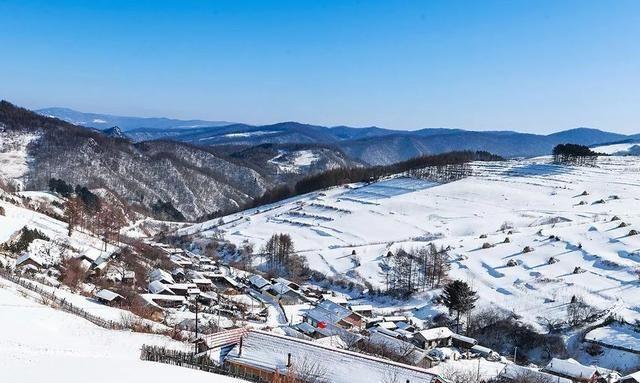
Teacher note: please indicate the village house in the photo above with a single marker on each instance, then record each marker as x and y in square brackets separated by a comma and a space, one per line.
[266, 355]
[30, 261]
[463, 342]
[402, 351]
[203, 284]
[327, 313]
[572, 370]
[285, 294]
[165, 301]
[362, 310]
[157, 287]
[161, 275]
[515, 373]
[108, 297]
[257, 282]
[223, 282]
[433, 337]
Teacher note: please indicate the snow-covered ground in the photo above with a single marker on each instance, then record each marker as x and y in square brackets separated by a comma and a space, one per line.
[532, 198]
[38, 344]
[294, 162]
[14, 160]
[623, 148]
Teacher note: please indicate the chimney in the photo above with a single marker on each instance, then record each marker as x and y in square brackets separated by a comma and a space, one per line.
[289, 360]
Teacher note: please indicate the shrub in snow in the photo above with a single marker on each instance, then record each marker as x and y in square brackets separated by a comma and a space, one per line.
[633, 232]
[598, 202]
[615, 218]
[506, 240]
[506, 226]
[552, 260]
[2, 212]
[527, 249]
[578, 270]
[353, 252]
[623, 224]
[512, 262]
[582, 203]
[594, 349]
[483, 236]
[585, 193]
[487, 245]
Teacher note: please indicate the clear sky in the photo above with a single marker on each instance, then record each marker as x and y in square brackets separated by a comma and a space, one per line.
[536, 66]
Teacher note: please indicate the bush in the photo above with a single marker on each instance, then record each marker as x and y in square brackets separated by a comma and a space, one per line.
[527, 249]
[487, 245]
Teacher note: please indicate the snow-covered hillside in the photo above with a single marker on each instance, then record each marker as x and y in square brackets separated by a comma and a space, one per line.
[39, 343]
[533, 199]
[14, 160]
[626, 148]
[17, 217]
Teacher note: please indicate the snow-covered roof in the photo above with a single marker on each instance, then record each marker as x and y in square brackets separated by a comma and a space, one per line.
[631, 377]
[514, 372]
[436, 333]
[270, 352]
[357, 308]
[339, 299]
[464, 339]
[160, 275]
[28, 256]
[329, 312]
[398, 346]
[157, 287]
[569, 368]
[281, 288]
[162, 297]
[108, 295]
[201, 281]
[258, 281]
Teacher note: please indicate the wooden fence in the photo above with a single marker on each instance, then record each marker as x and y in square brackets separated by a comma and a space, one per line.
[63, 304]
[201, 362]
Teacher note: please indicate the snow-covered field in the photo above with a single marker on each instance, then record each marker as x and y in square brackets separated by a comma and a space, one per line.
[294, 162]
[533, 198]
[39, 343]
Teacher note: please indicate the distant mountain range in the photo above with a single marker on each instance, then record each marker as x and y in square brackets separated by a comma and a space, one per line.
[197, 181]
[104, 121]
[370, 145]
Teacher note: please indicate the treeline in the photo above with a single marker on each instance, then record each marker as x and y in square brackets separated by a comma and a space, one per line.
[574, 154]
[341, 176]
[89, 200]
[407, 272]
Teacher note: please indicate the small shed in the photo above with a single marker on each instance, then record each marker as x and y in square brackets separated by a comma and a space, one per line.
[463, 342]
[108, 297]
[28, 259]
[433, 337]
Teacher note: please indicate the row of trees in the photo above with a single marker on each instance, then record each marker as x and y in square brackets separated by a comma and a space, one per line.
[574, 154]
[407, 272]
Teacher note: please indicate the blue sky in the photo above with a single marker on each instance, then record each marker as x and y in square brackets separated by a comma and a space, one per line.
[536, 66]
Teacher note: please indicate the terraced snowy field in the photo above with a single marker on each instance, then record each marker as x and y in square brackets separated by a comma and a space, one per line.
[534, 198]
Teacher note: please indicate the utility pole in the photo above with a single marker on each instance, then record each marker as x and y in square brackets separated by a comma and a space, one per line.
[515, 354]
